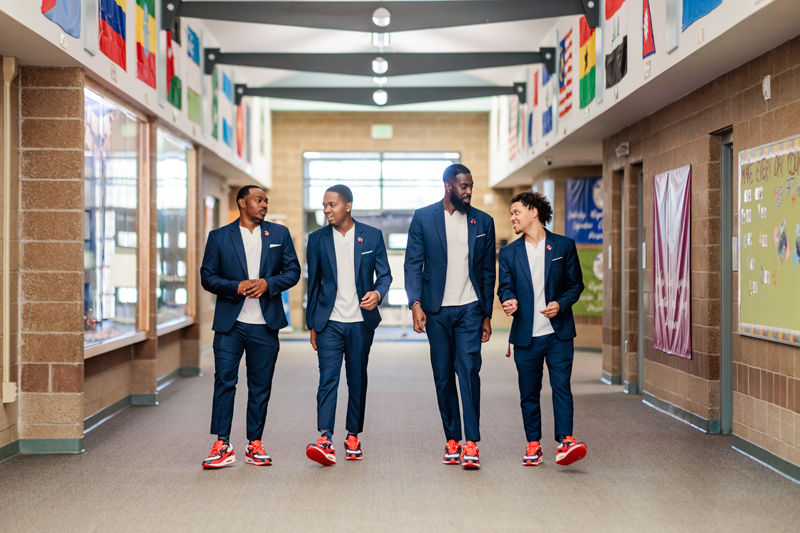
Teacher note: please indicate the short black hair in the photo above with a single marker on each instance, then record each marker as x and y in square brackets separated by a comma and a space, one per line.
[244, 192]
[537, 200]
[454, 170]
[343, 191]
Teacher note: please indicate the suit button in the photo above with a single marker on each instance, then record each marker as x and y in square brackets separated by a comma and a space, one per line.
[445, 264]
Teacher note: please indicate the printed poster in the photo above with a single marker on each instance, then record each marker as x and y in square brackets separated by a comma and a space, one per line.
[583, 209]
[769, 242]
[671, 248]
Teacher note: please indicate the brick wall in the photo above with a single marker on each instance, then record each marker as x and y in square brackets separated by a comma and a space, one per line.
[766, 385]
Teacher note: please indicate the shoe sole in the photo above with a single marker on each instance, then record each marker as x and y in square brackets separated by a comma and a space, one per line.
[251, 461]
[471, 465]
[532, 463]
[574, 454]
[318, 456]
[225, 462]
[451, 461]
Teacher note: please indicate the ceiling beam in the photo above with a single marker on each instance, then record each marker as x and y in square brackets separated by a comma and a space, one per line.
[399, 64]
[357, 16]
[364, 95]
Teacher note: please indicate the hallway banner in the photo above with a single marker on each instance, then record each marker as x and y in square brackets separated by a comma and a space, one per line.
[146, 35]
[586, 60]
[769, 242]
[584, 210]
[112, 31]
[65, 13]
[591, 299]
[672, 245]
[615, 37]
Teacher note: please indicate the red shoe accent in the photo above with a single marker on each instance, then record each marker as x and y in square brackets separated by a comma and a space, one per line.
[570, 451]
[256, 455]
[352, 449]
[533, 454]
[221, 455]
[322, 452]
[452, 453]
[471, 458]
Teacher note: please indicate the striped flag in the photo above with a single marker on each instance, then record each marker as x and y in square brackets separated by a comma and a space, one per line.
[65, 13]
[226, 110]
[587, 63]
[174, 84]
[146, 35]
[565, 77]
[112, 31]
[615, 37]
[513, 123]
[215, 104]
[194, 77]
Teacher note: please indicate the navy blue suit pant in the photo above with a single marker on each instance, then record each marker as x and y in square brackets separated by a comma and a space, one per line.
[261, 345]
[530, 361]
[454, 334]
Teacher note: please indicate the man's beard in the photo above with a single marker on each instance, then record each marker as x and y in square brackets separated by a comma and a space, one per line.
[460, 205]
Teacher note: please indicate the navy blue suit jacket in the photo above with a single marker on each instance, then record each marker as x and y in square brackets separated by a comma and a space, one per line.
[426, 258]
[371, 265]
[225, 266]
[563, 283]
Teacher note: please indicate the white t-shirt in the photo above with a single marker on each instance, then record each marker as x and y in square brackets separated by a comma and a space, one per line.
[458, 289]
[251, 310]
[346, 308]
[541, 324]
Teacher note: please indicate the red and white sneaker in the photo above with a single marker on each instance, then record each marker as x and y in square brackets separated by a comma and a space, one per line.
[352, 449]
[471, 457]
[256, 455]
[452, 453]
[221, 455]
[533, 454]
[322, 452]
[570, 451]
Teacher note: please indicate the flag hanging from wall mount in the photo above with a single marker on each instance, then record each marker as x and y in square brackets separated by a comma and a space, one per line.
[565, 77]
[226, 110]
[112, 31]
[194, 77]
[615, 41]
[174, 84]
[215, 103]
[65, 13]
[513, 124]
[587, 62]
[240, 133]
[146, 35]
[547, 102]
[648, 42]
[694, 10]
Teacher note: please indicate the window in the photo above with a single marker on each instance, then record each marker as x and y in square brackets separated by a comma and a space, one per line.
[172, 180]
[112, 161]
[388, 181]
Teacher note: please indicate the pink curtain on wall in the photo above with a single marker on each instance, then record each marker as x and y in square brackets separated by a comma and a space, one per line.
[671, 289]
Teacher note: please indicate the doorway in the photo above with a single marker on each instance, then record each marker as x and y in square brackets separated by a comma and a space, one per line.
[728, 247]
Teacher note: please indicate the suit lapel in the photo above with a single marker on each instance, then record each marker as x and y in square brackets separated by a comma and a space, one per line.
[266, 240]
[472, 230]
[238, 245]
[438, 220]
[524, 264]
[327, 240]
[358, 245]
[549, 250]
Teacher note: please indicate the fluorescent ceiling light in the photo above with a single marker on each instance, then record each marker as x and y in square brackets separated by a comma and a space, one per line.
[380, 97]
[380, 65]
[381, 17]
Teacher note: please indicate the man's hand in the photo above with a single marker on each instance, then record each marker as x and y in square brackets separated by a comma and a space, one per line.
[370, 300]
[510, 307]
[551, 310]
[314, 340]
[486, 328]
[245, 285]
[419, 318]
[256, 289]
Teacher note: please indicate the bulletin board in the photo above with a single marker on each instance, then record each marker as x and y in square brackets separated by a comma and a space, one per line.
[769, 241]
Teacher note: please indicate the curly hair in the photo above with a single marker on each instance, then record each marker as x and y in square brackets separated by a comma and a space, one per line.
[537, 200]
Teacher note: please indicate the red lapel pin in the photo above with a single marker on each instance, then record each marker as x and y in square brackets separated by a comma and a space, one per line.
[359, 239]
[472, 221]
[266, 234]
[549, 247]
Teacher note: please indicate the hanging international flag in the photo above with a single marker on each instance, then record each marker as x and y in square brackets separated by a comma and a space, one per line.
[112, 31]
[226, 110]
[521, 137]
[248, 132]
[547, 121]
[586, 60]
[565, 76]
[194, 77]
[146, 35]
[694, 10]
[214, 104]
[65, 13]
[174, 87]
[545, 76]
[547, 103]
[240, 133]
[513, 125]
[615, 37]
[648, 42]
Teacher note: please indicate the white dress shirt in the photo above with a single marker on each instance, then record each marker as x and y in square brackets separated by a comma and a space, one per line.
[541, 324]
[458, 289]
[251, 310]
[347, 307]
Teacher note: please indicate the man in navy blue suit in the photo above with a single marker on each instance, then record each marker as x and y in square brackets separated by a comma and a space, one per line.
[540, 281]
[247, 264]
[449, 277]
[348, 278]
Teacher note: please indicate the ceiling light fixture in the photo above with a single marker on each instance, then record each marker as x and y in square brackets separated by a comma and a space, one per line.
[380, 97]
[380, 65]
[380, 82]
[380, 40]
[381, 17]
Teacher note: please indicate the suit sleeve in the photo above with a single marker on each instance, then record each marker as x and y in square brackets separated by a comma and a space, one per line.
[209, 271]
[290, 269]
[505, 289]
[415, 261]
[383, 272]
[489, 267]
[574, 279]
[312, 257]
